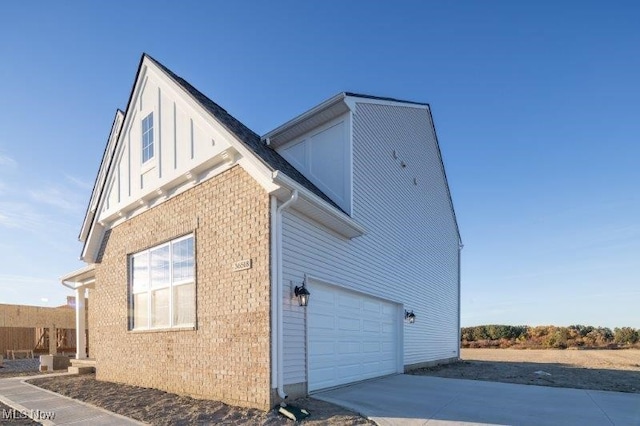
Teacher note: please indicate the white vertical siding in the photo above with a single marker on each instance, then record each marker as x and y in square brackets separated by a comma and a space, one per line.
[323, 156]
[182, 140]
[409, 254]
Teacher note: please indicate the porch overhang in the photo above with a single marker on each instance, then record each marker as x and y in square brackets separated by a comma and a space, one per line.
[81, 278]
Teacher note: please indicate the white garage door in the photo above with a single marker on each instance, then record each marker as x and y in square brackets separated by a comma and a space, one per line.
[351, 337]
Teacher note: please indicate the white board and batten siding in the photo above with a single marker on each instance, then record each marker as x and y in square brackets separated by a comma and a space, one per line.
[182, 140]
[324, 157]
[409, 253]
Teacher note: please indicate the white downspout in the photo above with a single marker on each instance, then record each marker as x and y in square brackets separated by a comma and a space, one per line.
[276, 287]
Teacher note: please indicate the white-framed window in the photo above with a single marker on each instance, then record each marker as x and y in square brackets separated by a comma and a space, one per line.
[147, 138]
[162, 286]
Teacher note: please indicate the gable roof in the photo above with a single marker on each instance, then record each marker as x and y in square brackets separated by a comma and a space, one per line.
[101, 177]
[268, 156]
[282, 171]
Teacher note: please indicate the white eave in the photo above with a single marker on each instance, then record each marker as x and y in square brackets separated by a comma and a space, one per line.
[326, 111]
[318, 209]
[116, 127]
[80, 278]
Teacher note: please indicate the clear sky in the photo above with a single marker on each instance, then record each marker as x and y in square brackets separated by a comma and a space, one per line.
[536, 105]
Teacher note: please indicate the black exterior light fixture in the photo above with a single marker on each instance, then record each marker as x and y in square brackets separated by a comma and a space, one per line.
[409, 316]
[302, 293]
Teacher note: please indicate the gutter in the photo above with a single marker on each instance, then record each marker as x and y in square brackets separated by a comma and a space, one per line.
[277, 322]
[302, 117]
[351, 228]
[68, 285]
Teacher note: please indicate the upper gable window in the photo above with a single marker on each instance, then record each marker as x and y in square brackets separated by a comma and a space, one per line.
[147, 138]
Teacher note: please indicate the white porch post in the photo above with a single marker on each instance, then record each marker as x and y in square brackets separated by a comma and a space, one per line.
[81, 339]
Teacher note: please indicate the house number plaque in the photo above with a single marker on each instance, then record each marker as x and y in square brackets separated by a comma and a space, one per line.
[241, 265]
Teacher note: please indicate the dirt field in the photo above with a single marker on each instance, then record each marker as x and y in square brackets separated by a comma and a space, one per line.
[612, 370]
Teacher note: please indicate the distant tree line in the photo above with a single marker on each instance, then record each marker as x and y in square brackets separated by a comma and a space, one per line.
[548, 336]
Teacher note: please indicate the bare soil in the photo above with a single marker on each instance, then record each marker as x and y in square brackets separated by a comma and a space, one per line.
[610, 370]
[162, 408]
[19, 367]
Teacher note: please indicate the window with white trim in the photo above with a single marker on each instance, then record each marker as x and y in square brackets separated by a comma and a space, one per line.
[162, 286]
[147, 138]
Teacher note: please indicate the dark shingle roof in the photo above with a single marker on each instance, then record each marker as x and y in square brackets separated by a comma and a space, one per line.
[251, 140]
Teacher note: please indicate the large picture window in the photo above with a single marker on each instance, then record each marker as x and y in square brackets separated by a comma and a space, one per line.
[162, 286]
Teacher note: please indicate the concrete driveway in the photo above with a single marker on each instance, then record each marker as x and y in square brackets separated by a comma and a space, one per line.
[418, 400]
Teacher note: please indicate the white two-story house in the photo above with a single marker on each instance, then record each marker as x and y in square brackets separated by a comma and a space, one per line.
[204, 241]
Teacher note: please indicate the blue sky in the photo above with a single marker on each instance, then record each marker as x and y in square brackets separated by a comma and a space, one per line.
[535, 104]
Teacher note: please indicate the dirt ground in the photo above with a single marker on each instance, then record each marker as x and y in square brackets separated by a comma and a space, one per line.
[611, 370]
[162, 408]
[19, 367]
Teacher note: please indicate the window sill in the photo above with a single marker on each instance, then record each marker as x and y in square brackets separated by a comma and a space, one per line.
[162, 330]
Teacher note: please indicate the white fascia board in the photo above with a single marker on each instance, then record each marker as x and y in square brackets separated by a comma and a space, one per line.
[80, 277]
[92, 243]
[351, 100]
[273, 134]
[323, 212]
[101, 177]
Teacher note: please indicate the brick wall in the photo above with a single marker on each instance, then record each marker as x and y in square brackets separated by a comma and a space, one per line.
[227, 357]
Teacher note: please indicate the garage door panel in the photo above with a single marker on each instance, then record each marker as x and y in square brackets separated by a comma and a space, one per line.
[371, 347]
[322, 320]
[371, 367]
[348, 301]
[370, 306]
[345, 348]
[349, 373]
[352, 337]
[323, 298]
[388, 347]
[388, 328]
[322, 348]
[323, 376]
[371, 325]
[348, 324]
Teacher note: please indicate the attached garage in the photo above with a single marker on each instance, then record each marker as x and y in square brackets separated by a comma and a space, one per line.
[352, 336]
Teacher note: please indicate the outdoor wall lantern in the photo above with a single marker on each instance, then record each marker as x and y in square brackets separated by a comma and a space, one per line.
[302, 293]
[409, 316]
